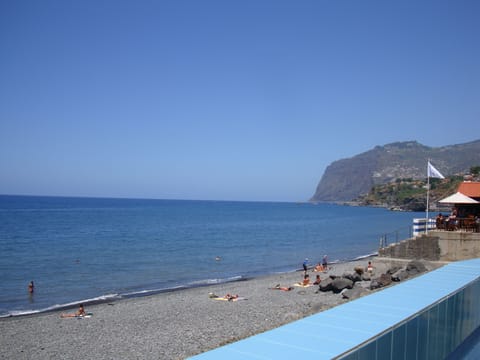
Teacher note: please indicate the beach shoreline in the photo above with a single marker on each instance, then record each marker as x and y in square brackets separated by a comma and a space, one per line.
[171, 325]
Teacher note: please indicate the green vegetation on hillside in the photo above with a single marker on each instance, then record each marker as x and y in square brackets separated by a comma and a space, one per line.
[410, 194]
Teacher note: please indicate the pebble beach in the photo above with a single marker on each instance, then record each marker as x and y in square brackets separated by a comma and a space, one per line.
[172, 325]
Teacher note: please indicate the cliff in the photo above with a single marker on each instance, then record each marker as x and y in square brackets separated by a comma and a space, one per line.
[347, 179]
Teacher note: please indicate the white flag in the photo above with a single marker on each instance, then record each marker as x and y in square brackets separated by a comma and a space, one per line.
[434, 173]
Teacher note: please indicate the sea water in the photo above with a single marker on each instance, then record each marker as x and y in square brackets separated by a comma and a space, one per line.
[90, 249]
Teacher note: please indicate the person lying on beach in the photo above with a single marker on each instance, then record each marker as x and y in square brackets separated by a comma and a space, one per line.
[79, 312]
[226, 297]
[284, 288]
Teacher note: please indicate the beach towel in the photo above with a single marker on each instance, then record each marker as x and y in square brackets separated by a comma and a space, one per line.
[301, 285]
[232, 299]
[225, 298]
[87, 315]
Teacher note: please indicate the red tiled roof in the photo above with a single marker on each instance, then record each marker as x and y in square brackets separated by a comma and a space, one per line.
[470, 188]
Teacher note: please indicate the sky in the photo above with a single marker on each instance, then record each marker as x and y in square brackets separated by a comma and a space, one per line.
[225, 100]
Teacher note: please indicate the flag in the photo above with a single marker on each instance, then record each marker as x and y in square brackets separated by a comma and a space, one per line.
[434, 173]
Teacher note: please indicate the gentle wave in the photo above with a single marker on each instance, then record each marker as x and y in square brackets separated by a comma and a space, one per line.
[129, 248]
[148, 292]
[361, 257]
[216, 281]
[113, 297]
[56, 307]
[366, 256]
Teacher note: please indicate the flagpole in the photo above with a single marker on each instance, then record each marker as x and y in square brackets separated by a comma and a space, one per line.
[428, 197]
[431, 172]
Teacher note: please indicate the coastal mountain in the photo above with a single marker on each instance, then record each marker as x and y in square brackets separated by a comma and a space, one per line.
[346, 179]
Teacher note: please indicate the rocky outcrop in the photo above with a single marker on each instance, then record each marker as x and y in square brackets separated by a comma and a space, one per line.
[359, 283]
[381, 281]
[341, 283]
[354, 293]
[413, 268]
[347, 179]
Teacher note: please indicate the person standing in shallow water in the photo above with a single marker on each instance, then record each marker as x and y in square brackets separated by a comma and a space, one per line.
[31, 288]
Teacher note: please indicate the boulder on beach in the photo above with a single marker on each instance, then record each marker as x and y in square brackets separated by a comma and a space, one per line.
[339, 284]
[353, 293]
[326, 285]
[359, 270]
[366, 276]
[415, 267]
[400, 275]
[382, 281]
[393, 269]
[355, 276]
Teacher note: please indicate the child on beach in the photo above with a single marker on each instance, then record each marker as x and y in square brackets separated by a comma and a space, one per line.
[317, 280]
[305, 266]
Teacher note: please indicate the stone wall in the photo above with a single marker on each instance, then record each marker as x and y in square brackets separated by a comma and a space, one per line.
[436, 246]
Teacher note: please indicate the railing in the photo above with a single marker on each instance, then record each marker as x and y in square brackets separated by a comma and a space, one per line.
[396, 236]
[459, 223]
[418, 228]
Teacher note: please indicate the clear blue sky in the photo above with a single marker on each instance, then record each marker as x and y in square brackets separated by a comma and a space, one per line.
[225, 100]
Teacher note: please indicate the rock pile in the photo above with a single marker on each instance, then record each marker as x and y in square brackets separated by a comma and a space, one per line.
[359, 282]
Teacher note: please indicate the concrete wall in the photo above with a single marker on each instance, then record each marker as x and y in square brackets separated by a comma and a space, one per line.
[437, 245]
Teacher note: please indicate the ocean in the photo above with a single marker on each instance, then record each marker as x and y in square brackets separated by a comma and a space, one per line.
[86, 250]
